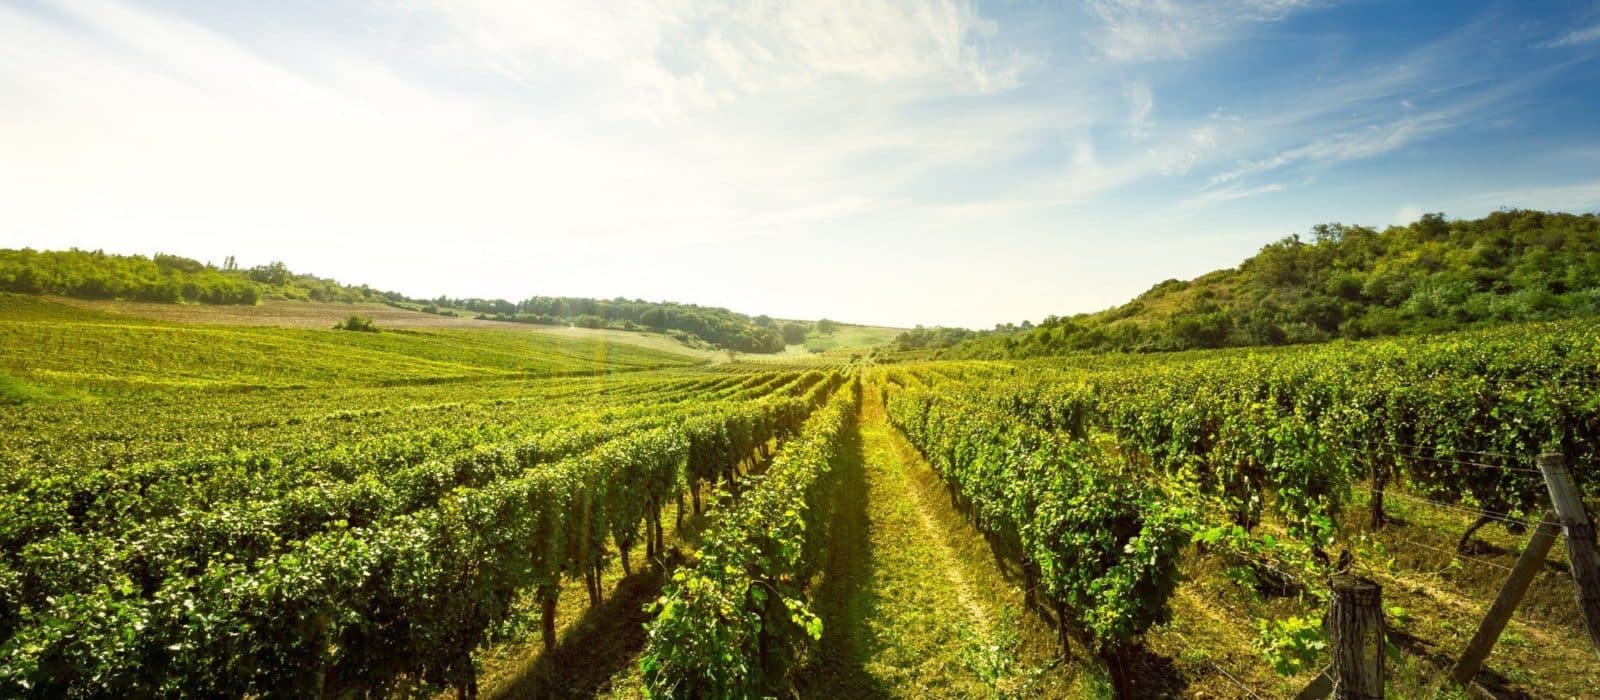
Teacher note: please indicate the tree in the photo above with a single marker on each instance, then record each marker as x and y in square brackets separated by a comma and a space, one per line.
[794, 333]
[275, 273]
[827, 326]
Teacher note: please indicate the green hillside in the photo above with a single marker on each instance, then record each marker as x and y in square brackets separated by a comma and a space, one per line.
[1433, 275]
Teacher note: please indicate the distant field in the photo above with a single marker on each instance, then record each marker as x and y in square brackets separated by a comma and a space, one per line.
[280, 313]
[853, 337]
[49, 343]
[847, 339]
[322, 315]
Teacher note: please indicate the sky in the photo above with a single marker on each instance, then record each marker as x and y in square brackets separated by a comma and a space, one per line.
[896, 163]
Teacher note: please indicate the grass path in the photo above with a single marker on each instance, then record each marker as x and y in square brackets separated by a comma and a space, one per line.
[912, 604]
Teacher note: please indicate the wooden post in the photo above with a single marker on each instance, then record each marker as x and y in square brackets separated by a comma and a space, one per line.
[1580, 540]
[547, 597]
[1511, 592]
[1356, 634]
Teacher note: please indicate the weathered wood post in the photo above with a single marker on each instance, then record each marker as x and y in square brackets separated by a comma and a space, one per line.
[1356, 635]
[1580, 540]
[548, 593]
[1380, 480]
[1511, 592]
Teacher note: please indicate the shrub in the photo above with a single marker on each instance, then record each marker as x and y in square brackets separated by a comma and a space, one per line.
[356, 322]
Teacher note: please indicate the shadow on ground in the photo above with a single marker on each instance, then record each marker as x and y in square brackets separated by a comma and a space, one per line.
[604, 640]
[844, 599]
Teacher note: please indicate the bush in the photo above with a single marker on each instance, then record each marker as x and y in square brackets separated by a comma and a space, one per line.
[356, 323]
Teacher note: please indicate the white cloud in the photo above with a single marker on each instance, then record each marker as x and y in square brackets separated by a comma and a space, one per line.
[1573, 38]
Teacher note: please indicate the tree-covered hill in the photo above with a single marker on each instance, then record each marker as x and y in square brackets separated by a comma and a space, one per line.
[165, 278]
[173, 279]
[1433, 275]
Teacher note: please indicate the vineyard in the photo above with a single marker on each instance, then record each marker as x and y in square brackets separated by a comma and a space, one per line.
[208, 510]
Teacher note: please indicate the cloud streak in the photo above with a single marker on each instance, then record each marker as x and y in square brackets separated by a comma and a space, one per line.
[1151, 30]
[1574, 38]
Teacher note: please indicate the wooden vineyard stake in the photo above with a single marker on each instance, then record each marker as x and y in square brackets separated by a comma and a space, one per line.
[1356, 635]
[1580, 540]
[1511, 592]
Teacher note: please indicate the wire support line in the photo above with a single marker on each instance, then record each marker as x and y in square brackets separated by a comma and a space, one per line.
[1492, 515]
[1457, 555]
[1462, 450]
[1480, 465]
[1231, 678]
[1443, 460]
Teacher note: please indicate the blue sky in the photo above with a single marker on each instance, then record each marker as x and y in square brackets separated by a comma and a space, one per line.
[934, 162]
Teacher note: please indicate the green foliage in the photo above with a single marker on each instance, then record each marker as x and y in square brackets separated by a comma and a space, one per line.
[726, 625]
[794, 333]
[97, 275]
[1293, 644]
[1102, 542]
[14, 391]
[356, 322]
[1093, 472]
[935, 338]
[357, 554]
[166, 279]
[1346, 282]
[996, 663]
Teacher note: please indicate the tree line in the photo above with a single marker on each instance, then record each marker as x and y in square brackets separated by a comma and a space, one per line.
[164, 278]
[689, 322]
[167, 278]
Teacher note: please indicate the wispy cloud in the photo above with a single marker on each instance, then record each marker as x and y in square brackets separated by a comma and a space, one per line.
[1145, 30]
[1365, 143]
[1141, 101]
[1228, 194]
[1422, 95]
[1573, 38]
